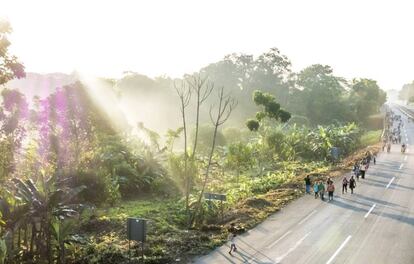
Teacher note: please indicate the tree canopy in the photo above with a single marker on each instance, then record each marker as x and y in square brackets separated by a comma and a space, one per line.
[10, 67]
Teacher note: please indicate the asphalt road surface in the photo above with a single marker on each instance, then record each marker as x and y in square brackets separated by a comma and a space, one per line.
[373, 225]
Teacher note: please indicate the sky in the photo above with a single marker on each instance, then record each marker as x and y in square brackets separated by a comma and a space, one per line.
[358, 38]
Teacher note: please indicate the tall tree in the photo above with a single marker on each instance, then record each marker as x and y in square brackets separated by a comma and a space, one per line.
[13, 117]
[320, 95]
[184, 94]
[224, 108]
[407, 91]
[241, 74]
[366, 98]
[10, 67]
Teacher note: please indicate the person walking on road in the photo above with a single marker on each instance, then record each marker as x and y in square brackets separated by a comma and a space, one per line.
[352, 184]
[356, 169]
[231, 238]
[233, 247]
[374, 157]
[368, 157]
[321, 189]
[316, 189]
[344, 185]
[362, 169]
[308, 184]
[330, 189]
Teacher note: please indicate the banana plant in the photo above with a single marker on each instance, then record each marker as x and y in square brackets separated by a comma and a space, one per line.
[36, 208]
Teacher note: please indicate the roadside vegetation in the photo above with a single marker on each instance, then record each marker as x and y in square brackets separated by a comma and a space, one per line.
[71, 172]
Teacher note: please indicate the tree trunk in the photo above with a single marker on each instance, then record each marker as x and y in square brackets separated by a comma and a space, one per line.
[33, 234]
[198, 206]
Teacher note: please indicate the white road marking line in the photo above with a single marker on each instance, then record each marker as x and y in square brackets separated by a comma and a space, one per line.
[307, 217]
[401, 166]
[370, 210]
[280, 238]
[405, 158]
[279, 259]
[393, 178]
[339, 250]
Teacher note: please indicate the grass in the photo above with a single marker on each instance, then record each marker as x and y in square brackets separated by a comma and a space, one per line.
[251, 201]
[371, 138]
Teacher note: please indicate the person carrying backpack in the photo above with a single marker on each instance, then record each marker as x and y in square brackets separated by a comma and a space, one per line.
[316, 189]
[344, 185]
[321, 189]
[330, 189]
[352, 184]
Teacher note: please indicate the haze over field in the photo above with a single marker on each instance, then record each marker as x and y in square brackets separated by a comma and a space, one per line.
[367, 39]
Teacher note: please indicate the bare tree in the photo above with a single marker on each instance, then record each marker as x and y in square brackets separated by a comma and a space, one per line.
[226, 105]
[184, 94]
[202, 89]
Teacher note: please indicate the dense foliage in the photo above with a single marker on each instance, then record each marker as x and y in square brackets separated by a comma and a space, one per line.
[63, 155]
[10, 67]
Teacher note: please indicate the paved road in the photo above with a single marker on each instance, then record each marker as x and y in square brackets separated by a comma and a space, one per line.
[373, 225]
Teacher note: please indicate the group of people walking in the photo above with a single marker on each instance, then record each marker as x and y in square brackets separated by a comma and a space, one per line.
[359, 170]
[392, 133]
[360, 167]
[319, 188]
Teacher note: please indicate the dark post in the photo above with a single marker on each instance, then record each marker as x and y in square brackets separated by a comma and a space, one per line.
[222, 214]
[137, 231]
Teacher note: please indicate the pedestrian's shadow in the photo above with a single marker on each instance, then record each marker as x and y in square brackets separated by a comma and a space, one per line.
[397, 217]
[256, 253]
[385, 173]
[377, 201]
[378, 183]
[340, 203]
[229, 258]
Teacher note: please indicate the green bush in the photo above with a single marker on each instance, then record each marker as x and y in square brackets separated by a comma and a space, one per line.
[99, 187]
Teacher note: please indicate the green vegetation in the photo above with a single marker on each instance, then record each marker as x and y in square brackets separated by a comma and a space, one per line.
[371, 138]
[407, 92]
[71, 171]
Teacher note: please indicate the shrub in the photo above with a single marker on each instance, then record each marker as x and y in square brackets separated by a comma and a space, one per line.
[99, 187]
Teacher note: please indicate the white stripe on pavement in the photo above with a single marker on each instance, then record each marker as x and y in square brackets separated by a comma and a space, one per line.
[279, 259]
[307, 217]
[405, 158]
[339, 250]
[401, 166]
[393, 178]
[370, 210]
[282, 237]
